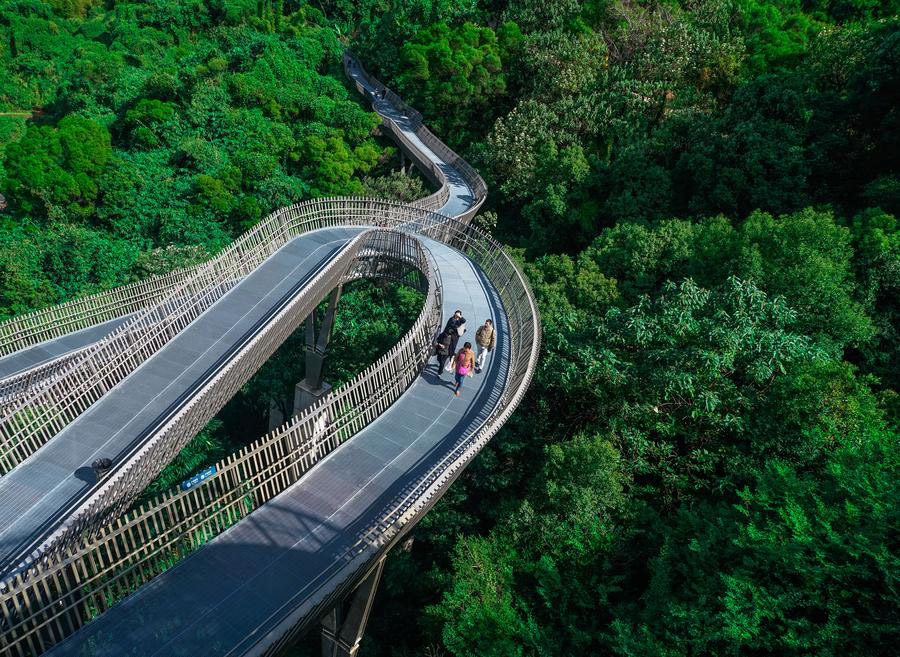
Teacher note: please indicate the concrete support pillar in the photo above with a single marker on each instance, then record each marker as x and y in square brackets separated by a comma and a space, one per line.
[312, 387]
[317, 348]
[276, 417]
[343, 627]
[304, 396]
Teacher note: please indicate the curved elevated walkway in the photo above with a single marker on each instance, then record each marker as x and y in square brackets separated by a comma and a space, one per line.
[43, 490]
[279, 563]
[279, 569]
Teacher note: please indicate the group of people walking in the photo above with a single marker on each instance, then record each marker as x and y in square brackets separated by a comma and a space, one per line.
[464, 362]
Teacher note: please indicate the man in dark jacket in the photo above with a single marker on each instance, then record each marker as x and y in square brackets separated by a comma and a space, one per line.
[456, 324]
[442, 348]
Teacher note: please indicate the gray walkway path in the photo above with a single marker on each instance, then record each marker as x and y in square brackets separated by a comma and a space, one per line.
[39, 354]
[461, 197]
[225, 597]
[38, 492]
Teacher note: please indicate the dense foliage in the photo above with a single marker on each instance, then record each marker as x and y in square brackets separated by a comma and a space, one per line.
[179, 123]
[704, 195]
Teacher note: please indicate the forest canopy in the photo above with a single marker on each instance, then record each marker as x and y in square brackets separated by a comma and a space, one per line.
[704, 195]
[161, 124]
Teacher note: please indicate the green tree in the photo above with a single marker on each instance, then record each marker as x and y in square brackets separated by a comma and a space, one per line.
[778, 35]
[751, 157]
[23, 285]
[396, 186]
[534, 15]
[806, 257]
[532, 585]
[802, 564]
[457, 67]
[145, 116]
[876, 263]
[53, 171]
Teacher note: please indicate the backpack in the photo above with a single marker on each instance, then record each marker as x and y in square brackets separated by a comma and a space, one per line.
[442, 346]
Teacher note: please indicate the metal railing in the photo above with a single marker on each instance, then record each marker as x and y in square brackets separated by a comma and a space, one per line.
[39, 325]
[17, 386]
[364, 83]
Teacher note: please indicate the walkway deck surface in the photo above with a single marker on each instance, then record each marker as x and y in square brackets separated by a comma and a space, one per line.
[36, 492]
[222, 599]
[36, 355]
[461, 197]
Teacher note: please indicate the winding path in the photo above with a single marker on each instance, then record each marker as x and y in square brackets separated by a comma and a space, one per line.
[272, 574]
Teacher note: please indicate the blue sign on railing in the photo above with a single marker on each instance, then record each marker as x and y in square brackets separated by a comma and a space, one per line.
[198, 479]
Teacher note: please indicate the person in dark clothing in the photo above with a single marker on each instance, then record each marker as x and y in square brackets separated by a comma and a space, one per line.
[443, 348]
[457, 326]
[101, 466]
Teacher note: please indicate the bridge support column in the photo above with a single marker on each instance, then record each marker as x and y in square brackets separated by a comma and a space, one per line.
[312, 387]
[343, 627]
[304, 396]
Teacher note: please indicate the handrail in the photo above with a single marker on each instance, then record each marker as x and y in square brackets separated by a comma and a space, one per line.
[472, 178]
[17, 385]
[34, 327]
